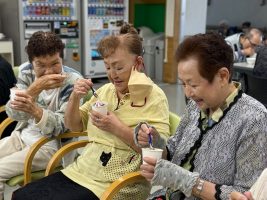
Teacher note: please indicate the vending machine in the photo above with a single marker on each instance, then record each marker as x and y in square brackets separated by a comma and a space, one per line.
[59, 16]
[100, 18]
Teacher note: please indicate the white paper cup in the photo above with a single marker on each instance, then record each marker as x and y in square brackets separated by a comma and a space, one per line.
[153, 153]
[101, 109]
[13, 92]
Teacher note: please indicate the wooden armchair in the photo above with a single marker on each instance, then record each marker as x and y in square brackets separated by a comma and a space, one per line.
[114, 187]
[120, 183]
[28, 175]
[33, 150]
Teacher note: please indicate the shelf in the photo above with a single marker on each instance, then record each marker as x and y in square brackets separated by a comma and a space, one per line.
[49, 18]
[106, 17]
[64, 4]
[106, 5]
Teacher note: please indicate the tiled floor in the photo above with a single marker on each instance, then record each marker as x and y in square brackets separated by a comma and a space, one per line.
[8, 192]
[175, 97]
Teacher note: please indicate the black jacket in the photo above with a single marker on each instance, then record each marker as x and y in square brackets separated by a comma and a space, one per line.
[260, 68]
[7, 80]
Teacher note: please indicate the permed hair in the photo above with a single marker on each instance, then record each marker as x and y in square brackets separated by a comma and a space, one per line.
[42, 44]
[128, 39]
[210, 50]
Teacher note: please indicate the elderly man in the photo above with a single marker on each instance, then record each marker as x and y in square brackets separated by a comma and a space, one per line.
[241, 46]
[255, 37]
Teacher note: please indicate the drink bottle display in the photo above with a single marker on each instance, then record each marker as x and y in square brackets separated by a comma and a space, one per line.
[47, 9]
[101, 18]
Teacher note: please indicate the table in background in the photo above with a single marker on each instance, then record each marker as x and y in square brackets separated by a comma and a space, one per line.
[243, 67]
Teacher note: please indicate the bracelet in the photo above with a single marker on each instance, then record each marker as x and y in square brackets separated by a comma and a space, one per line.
[199, 187]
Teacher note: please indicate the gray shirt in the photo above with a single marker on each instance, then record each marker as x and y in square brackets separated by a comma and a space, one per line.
[232, 153]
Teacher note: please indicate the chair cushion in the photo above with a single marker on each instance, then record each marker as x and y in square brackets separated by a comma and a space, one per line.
[18, 180]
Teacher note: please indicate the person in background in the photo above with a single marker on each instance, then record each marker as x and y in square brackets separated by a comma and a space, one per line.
[132, 97]
[255, 37]
[245, 27]
[38, 107]
[240, 45]
[220, 144]
[7, 80]
[223, 28]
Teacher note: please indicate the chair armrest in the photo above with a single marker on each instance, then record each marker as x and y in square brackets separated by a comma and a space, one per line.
[61, 152]
[5, 124]
[123, 181]
[36, 146]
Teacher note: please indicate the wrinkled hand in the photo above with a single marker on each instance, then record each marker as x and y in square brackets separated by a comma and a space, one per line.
[148, 169]
[24, 102]
[169, 175]
[81, 87]
[46, 82]
[239, 196]
[109, 122]
[248, 51]
[141, 136]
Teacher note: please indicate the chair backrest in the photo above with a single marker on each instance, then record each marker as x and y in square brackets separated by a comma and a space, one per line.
[174, 122]
[88, 96]
[16, 71]
[256, 87]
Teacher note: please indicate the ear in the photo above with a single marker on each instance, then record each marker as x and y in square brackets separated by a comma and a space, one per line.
[224, 75]
[139, 63]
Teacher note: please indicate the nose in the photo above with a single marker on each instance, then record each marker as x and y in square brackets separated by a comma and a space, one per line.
[49, 70]
[113, 74]
[188, 91]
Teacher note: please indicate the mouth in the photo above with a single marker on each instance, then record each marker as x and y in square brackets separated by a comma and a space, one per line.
[198, 101]
[117, 83]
